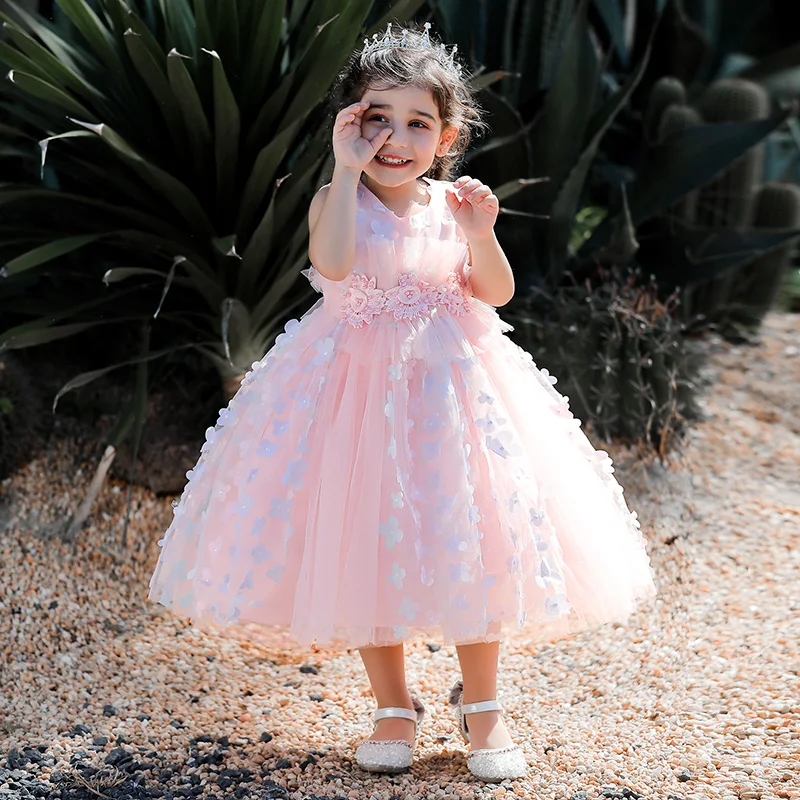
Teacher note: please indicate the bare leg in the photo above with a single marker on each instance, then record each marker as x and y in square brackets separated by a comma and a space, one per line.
[479, 672]
[387, 676]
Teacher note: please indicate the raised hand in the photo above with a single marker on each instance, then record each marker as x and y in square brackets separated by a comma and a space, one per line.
[350, 148]
[473, 206]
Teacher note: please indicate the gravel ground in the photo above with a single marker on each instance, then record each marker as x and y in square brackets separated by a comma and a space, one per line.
[106, 695]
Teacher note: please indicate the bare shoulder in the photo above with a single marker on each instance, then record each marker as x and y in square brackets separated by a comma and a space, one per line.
[315, 207]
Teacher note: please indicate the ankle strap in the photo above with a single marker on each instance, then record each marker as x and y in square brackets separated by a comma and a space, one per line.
[484, 705]
[391, 711]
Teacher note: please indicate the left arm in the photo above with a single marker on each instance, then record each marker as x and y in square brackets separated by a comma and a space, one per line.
[475, 209]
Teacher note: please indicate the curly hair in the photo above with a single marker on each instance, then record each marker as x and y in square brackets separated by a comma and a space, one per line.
[412, 65]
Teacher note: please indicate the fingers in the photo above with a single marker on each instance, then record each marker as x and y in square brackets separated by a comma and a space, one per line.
[473, 190]
[379, 139]
[360, 105]
[354, 109]
[479, 194]
[469, 186]
[349, 114]
[343, 121]
[452, 199]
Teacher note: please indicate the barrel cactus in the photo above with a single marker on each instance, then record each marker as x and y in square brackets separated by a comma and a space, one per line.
[674, 119]
[666, 92]
[620, 355]
[734, 200]
[759, 282]
[729, 200]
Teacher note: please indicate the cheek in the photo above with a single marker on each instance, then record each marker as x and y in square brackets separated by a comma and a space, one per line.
[426, 138]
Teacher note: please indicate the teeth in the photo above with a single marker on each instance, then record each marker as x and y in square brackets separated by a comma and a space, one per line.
[392, 160]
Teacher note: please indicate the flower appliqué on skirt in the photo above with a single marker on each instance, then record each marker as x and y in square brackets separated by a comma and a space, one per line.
[411, 298]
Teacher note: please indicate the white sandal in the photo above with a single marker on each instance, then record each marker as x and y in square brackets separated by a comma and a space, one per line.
[491, 764]
[392, 755]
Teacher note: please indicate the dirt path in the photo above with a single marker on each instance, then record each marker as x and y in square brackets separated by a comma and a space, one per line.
[698, 697]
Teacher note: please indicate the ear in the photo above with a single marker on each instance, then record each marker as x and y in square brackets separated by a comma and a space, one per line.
[446, 140]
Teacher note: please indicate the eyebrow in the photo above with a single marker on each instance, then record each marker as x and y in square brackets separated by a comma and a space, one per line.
[413, 110]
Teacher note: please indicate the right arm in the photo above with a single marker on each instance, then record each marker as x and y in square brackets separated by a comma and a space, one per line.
[332, 213]
[332, 225]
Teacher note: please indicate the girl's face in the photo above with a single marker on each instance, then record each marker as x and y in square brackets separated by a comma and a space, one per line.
[418, 134]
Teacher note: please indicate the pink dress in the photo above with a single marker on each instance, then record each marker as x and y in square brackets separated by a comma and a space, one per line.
[395, 465]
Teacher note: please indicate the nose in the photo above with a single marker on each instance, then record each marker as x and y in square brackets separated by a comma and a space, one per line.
[396, 139]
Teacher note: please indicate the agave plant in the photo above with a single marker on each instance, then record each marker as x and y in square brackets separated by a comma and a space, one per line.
[179, 142]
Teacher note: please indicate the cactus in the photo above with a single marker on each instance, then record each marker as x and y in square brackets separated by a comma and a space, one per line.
[620, 356]
[729, 200]
[759, 282]
[677, 118]
[666, 92]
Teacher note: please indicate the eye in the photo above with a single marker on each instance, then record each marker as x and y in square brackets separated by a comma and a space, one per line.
[377, 117]
[421, 124]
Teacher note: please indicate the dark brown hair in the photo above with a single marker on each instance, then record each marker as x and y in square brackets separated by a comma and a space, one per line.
[394, 67]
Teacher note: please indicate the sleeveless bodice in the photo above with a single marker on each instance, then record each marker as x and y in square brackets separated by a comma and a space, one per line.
[404, 267]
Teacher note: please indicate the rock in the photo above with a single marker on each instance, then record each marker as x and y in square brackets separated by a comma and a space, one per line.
[434, 647]
[118, 756]
[273, 791]
[309, 669]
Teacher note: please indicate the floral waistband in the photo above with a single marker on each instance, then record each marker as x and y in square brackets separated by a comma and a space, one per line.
[411, 298]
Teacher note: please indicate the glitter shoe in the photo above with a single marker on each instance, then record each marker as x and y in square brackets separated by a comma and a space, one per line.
[392, 755]
[490, 764]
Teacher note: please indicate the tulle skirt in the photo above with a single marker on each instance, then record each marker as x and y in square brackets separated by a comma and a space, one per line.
[413, 477]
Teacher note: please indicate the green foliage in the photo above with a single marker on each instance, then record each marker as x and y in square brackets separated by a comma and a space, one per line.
[178, 146]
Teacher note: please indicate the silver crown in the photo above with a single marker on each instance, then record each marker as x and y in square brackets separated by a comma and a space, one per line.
[390, 41]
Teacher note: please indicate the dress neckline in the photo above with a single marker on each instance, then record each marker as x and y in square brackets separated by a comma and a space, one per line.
[425, 208]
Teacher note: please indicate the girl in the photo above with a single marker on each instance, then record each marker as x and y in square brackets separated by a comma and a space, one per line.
[395, 464]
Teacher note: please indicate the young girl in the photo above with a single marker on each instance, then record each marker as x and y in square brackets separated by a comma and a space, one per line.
[395, 466]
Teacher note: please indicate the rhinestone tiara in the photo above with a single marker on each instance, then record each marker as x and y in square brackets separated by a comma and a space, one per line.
[390, 41]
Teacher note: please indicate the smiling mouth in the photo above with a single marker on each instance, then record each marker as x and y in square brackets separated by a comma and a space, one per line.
[393, 162]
